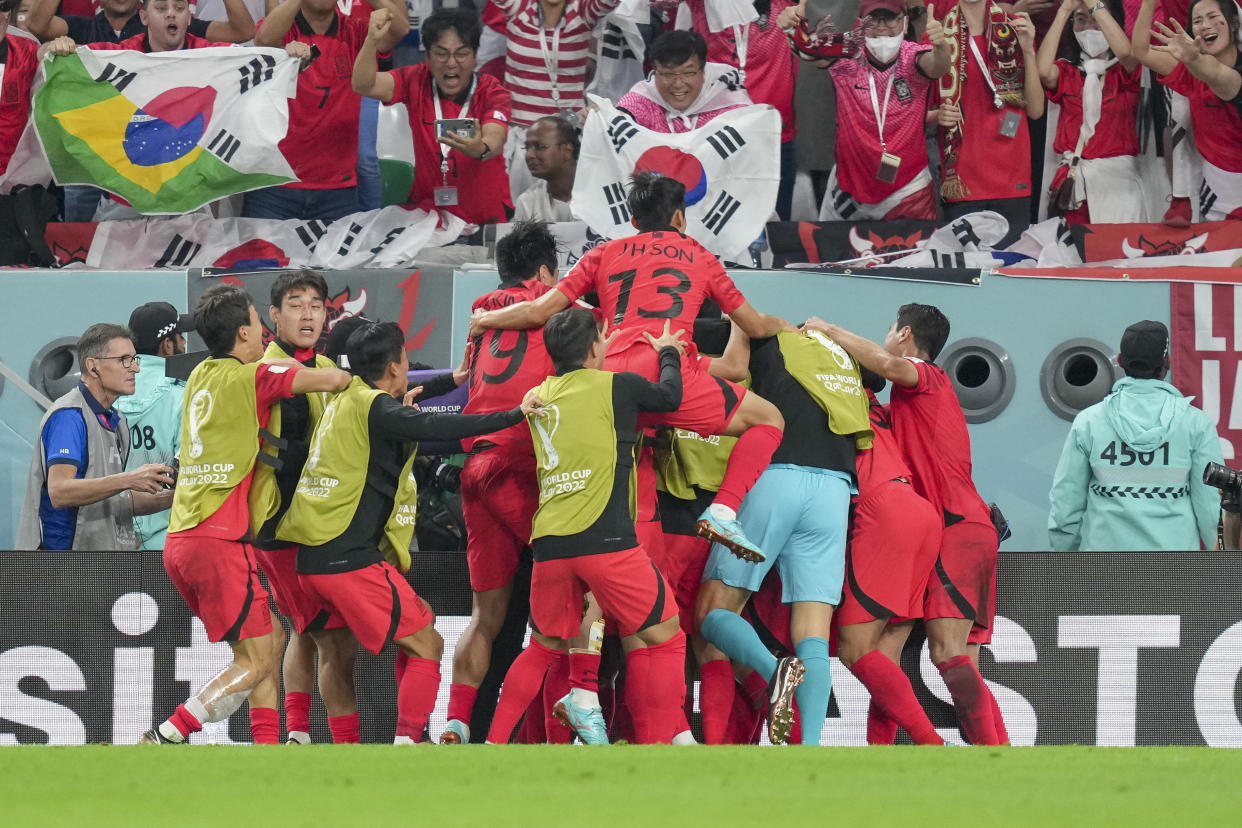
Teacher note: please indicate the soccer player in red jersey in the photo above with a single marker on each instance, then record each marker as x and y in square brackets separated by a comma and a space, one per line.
[661, 275]
[229, 400]
[894, 541]
[928, 424]
[322, 142]
[498, 487]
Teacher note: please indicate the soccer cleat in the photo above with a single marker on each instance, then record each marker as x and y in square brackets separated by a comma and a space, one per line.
[788, 675]
[1179, 213]
[456, 733]
[154, 737]
[587, 723]
[298, 737]
[729, 534]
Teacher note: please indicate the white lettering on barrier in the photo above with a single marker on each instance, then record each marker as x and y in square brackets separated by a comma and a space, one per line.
[1215, 707]
[1119, 639]
[61, 674]
[133, 693]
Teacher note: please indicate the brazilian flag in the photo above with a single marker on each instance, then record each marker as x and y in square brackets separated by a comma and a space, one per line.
[162, 154]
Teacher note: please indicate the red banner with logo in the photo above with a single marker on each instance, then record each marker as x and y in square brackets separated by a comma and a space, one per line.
[1102, 242]
[1206, 333]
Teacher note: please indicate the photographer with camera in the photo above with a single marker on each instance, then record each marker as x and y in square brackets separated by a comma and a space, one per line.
[1230, 484]
[1131, 475]
[459, 118]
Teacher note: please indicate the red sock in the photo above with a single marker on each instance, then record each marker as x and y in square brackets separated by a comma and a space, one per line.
[533, 730]
[637, 680]
[666, 688]
[998, 720]
[265, 725]
[891, 691]
[461, 702]
[556, 684]
[756, 687]
[416, 696]
[184, 721]
[521, 687]
[970, 699]
[297, 712]
[584, 669]
[346, 730]
[398, 666]
[716, 691]
[750, 456]
[881, 730]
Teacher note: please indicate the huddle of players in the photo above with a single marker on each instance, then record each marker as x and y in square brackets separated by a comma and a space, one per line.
[333, 514]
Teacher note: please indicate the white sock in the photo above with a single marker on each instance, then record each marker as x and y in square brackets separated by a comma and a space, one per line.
[299, 736]
[721, 512]
[586, 699]
[403, 740]
[684, 738]
[169, 731]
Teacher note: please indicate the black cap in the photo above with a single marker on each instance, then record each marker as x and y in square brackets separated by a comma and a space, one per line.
[155, 320]
[1144, 347]
[334, 345]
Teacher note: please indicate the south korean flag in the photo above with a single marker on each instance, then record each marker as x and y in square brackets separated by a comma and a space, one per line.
[730, 166]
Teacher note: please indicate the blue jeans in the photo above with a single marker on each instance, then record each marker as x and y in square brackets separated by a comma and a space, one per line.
[299, 203]
[370, 186]
[81, 201]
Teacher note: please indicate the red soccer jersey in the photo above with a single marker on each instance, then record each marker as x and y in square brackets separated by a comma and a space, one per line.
[770, 66]
[982, 142]
[931, 431]
[482, 186]
[1218, 126]
[1116, 133]
[322, 142]
[20, 58]
[138, 43]
[883, 461]
[231, 521]
[645, 280]
[505, 365]
[858, 148]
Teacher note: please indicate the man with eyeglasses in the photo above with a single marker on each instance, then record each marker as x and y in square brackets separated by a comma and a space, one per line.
[552, 147]
[881, 170]
[322, 142]
[78, 495]
[685, 91]
[462, 172]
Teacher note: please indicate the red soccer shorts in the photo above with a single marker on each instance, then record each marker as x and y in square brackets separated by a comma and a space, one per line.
[219, 581]
[961, 585]
[631, 592]
[292, 600]
[375, 602]
[982, 633]
[893, 549]
[682, 563]
[707, 403]
[499, 496]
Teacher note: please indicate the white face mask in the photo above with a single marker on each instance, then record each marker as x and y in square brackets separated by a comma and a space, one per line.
[1092, 42]
[884, 49]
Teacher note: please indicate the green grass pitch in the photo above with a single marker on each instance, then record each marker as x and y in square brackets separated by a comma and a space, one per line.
[326, 785]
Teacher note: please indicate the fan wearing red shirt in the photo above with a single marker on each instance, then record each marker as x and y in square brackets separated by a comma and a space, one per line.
[19, 57]
[463, 175]
[322, 142]
[661, 276]
[499, 489]
[208, 556]
[930, 429]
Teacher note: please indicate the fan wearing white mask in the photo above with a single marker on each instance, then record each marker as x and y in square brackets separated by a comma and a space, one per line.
[1205, 65]
[881, 171]
[1096, 81]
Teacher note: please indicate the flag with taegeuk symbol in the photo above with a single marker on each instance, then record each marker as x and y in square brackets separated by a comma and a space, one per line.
[167, 132]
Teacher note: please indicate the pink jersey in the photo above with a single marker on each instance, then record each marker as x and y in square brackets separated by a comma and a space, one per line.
[545, 69]
[904, 88]
[931, 430]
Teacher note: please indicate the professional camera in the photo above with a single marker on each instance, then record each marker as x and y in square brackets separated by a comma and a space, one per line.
[1228, 481]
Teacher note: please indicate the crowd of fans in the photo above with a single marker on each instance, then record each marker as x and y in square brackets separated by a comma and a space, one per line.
[940, 110]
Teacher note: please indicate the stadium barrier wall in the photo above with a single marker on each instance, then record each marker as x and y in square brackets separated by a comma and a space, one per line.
[1102, 648]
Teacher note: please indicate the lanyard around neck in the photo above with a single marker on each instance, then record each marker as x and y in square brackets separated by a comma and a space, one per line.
[465, 113]
[881, 115]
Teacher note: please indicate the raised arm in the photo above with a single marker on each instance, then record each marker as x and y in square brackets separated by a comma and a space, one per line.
[936, 62]
[399, 26]
[308, 380]
[734, 363]
[277, 24]
[757, 324]
[523, 315]
[1114, 34]
[1158, 61]
[1224, 81]
[43, 21]
[237, 28]
[1046, 57]
[1032, 89]
[367, 79]
[895, 369]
